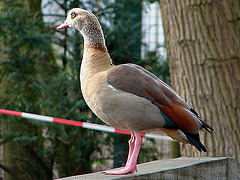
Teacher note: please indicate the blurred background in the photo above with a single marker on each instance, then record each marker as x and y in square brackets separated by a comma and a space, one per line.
[40, 74]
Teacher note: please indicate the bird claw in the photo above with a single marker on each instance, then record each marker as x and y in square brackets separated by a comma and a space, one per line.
[125, 170]
[105, 172]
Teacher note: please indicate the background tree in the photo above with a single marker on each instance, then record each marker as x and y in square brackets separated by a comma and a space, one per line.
[25, 50]
[202, 41]
[40, 74]
[32, 81]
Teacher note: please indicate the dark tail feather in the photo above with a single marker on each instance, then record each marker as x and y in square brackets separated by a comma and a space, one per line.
[204, 125]
[195, 140]
[207, 127]
[194, 112]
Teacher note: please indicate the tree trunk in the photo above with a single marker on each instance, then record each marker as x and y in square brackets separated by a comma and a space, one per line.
[202, 40]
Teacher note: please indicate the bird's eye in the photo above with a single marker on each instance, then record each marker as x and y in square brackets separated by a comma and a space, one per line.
[73, 15]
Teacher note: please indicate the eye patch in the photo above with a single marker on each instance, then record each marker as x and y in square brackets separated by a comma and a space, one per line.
[73, 15]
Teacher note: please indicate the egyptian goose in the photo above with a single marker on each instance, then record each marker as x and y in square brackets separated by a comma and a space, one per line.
[129, 97]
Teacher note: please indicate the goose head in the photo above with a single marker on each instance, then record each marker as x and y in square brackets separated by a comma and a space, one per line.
[88, 25]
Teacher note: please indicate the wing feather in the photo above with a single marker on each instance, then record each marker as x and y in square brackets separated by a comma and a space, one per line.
[137, 80]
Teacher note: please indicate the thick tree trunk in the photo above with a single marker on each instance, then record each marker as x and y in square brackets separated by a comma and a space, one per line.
[202, 40]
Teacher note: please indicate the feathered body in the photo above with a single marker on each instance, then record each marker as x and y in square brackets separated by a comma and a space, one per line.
[129, 97]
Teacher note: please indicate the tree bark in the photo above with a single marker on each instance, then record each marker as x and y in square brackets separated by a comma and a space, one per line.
[202, 40]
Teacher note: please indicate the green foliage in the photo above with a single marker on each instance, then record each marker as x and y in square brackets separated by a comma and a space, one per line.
[38, 82]
[24, 53]
[123, 37]
[25, 61]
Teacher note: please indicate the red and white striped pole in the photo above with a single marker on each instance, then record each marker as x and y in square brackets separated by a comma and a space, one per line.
[86, 125]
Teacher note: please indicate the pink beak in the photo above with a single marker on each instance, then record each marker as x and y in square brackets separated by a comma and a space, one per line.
[63, 26]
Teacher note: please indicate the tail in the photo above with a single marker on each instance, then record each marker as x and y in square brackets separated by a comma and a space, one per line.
[195, 140]
[174, 125]
[207, 127]
[204, 125]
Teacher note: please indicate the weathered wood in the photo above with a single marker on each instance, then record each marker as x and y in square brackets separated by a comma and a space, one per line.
[191, 168]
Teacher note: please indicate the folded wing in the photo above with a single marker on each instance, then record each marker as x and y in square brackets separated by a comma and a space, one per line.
[137, 80]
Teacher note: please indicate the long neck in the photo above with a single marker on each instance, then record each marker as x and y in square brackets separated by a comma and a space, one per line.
[93, 34]
[95, 57]
[94, 60]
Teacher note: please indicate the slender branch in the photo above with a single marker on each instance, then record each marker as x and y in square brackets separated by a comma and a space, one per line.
[6, 169]
[39, 161]
[21, 89]
[61, 5]
[79, 166]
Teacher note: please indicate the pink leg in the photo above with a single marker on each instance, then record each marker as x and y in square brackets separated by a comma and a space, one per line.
[131, 165]
[131, 147]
